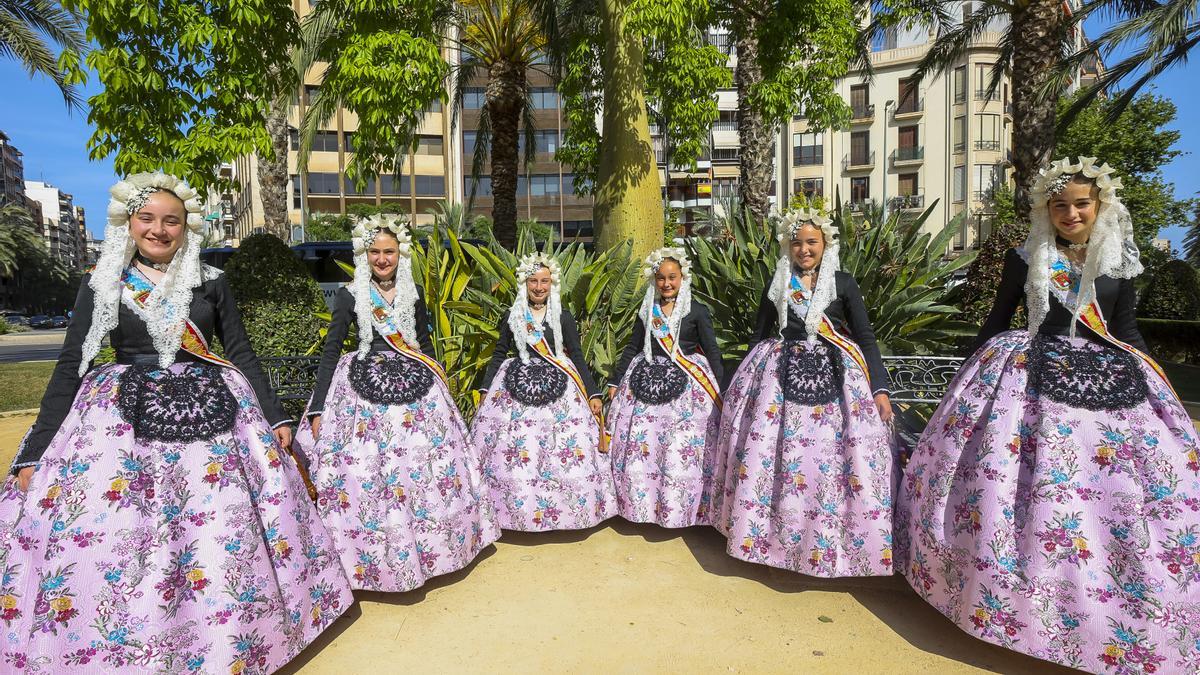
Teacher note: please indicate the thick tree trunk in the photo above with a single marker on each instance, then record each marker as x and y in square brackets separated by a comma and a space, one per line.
[273, 175]
[1038, 30]
[628, 206]
[754, 184]
[505, 91]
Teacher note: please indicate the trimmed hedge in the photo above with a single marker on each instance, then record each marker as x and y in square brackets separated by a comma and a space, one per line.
[1173, 293]
[276, 296]
[1172, 340]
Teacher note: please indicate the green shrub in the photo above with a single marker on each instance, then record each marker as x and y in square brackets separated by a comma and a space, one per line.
[4, 327]
[1173, 293]
[1172, 340]
[276, 296]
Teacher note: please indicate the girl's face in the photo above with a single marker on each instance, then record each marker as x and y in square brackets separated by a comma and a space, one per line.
[808, 246]
[1073, 210]
[537, 286]
[158, 228]
[384, 255]
[668, 278]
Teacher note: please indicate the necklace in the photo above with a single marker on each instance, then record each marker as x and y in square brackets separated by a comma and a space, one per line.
[1062, 241]
[143, 260]
[537, 307]
[385, 285]
[666, 301]
[808, 273]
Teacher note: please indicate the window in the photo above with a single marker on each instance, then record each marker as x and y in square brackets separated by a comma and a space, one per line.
[811, 188]
[469, 142]
[908, 98]
[720, 41]
[728, 121]
[725, 153]
[393, 185]
[808, 149]
[988, 132]
[325, 141]
[430, 186]
[294, 138]
[367, 189]
[983, 78]
[578, 228]
[908, 184]
[725, 188]
[987, 178]
[960, 183]
[960, 84]
[860, 96]
[294, 186]
[958, 133]
[908, 136]
[323, 184]
[348, 140]
[541, 185]
[543, 98]
[473, 98]
[545, 140]
[860, 189]
[310, 92]
[429, 145]
[860, 148]
[483, 188]
[435, 106]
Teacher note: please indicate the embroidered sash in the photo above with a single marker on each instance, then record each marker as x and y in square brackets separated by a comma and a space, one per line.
[381, 317]
[661, 330]
[137, 288]
[542, 347]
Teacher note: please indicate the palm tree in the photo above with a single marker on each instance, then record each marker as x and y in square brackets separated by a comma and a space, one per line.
[25, 27]
[505, 39]
[1162, 34]
[1035, 39]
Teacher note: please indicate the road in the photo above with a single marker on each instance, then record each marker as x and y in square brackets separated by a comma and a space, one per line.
[34, 345]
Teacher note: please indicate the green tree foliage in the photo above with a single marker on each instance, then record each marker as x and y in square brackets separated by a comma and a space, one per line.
[27, 29]
[1137, 143]
[1191, 240]
[39, 282]
[1174, 293]
[275, 295]
[384, 64]
[187, 83]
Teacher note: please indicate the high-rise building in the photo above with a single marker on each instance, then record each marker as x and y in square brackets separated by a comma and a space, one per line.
[59, 225]
[12, 173]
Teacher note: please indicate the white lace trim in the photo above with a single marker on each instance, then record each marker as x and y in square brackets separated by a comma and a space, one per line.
[823, 294]
[1111, 252]
[527, 267]
[683, 299]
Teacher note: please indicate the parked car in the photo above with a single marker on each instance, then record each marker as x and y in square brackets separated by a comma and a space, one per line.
[58, 322]
[40, 321]
[16, 319]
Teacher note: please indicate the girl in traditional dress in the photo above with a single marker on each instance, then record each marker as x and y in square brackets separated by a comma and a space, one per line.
[398, 484]
[666, 410]
[1051, 505]
[807, 479]
[154, 520]
[538, 425]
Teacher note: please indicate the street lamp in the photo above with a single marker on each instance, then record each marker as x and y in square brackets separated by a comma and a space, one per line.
[886, 107]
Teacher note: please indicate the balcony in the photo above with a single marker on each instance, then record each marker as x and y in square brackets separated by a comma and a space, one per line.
[858, 161]
[909, 107]
[985, 95]
[908, 202]
[862, 114]
[910, 155]
[988, 146]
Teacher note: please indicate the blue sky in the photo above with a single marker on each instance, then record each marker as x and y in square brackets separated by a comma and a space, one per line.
[54, 141]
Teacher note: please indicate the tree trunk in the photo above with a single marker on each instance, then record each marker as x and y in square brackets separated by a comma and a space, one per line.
[505, 93]
[273, 175]
[1038, 30]
[754, 184]
[628, 206]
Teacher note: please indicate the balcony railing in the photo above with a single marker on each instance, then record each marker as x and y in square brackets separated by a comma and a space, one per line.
[985, 95]
[911, 106]
[855, 161]
[992, 146]
[908, 202]
[909, 154]
[862, 113]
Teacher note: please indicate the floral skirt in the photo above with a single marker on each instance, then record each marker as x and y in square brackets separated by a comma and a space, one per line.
[541, 457]
[163, 532]
[398, 485]
[664, 431]
[805, 474]
[1052, 506]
